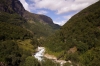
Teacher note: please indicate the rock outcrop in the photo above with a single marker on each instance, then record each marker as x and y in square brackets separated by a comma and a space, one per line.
[13, 6]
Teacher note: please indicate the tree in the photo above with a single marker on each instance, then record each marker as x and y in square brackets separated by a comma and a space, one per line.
[31, 61]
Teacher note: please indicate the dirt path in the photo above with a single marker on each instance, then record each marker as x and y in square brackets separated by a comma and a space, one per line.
[52, 57]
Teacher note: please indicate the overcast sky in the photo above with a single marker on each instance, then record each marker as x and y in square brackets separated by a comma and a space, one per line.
[59, 10]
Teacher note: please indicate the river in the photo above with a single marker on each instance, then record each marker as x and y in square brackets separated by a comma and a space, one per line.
[41, 53]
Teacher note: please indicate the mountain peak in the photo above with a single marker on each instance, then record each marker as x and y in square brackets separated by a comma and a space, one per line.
[12, 6]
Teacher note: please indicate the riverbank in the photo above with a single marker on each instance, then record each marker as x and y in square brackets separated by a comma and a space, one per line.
[40, 54]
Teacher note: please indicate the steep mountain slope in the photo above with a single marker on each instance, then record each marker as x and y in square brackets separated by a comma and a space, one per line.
[20, 32]
[79, 39]
[11, 31]
[14, 6]
[40, 25]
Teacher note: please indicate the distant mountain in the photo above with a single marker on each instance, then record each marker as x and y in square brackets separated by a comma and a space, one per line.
[79, 39]
[15, 6]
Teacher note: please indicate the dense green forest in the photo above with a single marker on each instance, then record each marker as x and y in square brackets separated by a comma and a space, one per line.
[10, 31]
[79, 39]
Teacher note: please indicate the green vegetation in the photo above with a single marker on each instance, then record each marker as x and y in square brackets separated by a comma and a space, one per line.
[91, 57]
[20, 37]
[9, 56]
[8, 31]
[14, 53]
[81, 31]
[26, 45]
[13, 18]
[39, 29]
[48, 62]
[51, 52]
[31, 61]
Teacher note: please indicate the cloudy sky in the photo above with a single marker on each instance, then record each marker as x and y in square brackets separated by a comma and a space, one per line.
[59, 10]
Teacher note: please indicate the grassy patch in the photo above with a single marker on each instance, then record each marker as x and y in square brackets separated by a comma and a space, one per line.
[57, 54]
[26, 45]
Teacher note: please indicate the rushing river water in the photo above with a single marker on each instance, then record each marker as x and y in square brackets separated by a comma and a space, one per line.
[41, 53]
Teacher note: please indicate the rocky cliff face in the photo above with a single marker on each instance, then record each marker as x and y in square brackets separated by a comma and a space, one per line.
[36, 17]
[46, 19]
[5, 7]
[18, 7]
[15, 6]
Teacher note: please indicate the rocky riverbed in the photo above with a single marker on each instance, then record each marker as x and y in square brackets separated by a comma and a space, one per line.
[40, 54]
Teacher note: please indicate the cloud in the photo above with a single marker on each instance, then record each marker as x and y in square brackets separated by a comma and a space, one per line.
[62, 6]
[67, 16]
[60, 22]
[42, 12]
[63, 19]
[25, 4]
[65, 9]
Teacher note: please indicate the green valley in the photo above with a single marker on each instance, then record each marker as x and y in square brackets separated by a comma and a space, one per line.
[21, 33]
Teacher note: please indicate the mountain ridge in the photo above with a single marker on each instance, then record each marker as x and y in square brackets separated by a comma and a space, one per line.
[30, 19]
[16, 6]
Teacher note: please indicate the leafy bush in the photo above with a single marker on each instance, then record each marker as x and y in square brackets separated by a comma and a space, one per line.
[31, 61]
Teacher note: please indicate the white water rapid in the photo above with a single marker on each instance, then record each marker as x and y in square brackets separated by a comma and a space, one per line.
[41, 53]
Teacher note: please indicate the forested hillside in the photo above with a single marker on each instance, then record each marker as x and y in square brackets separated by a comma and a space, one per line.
[79, 39]
[20, 33]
